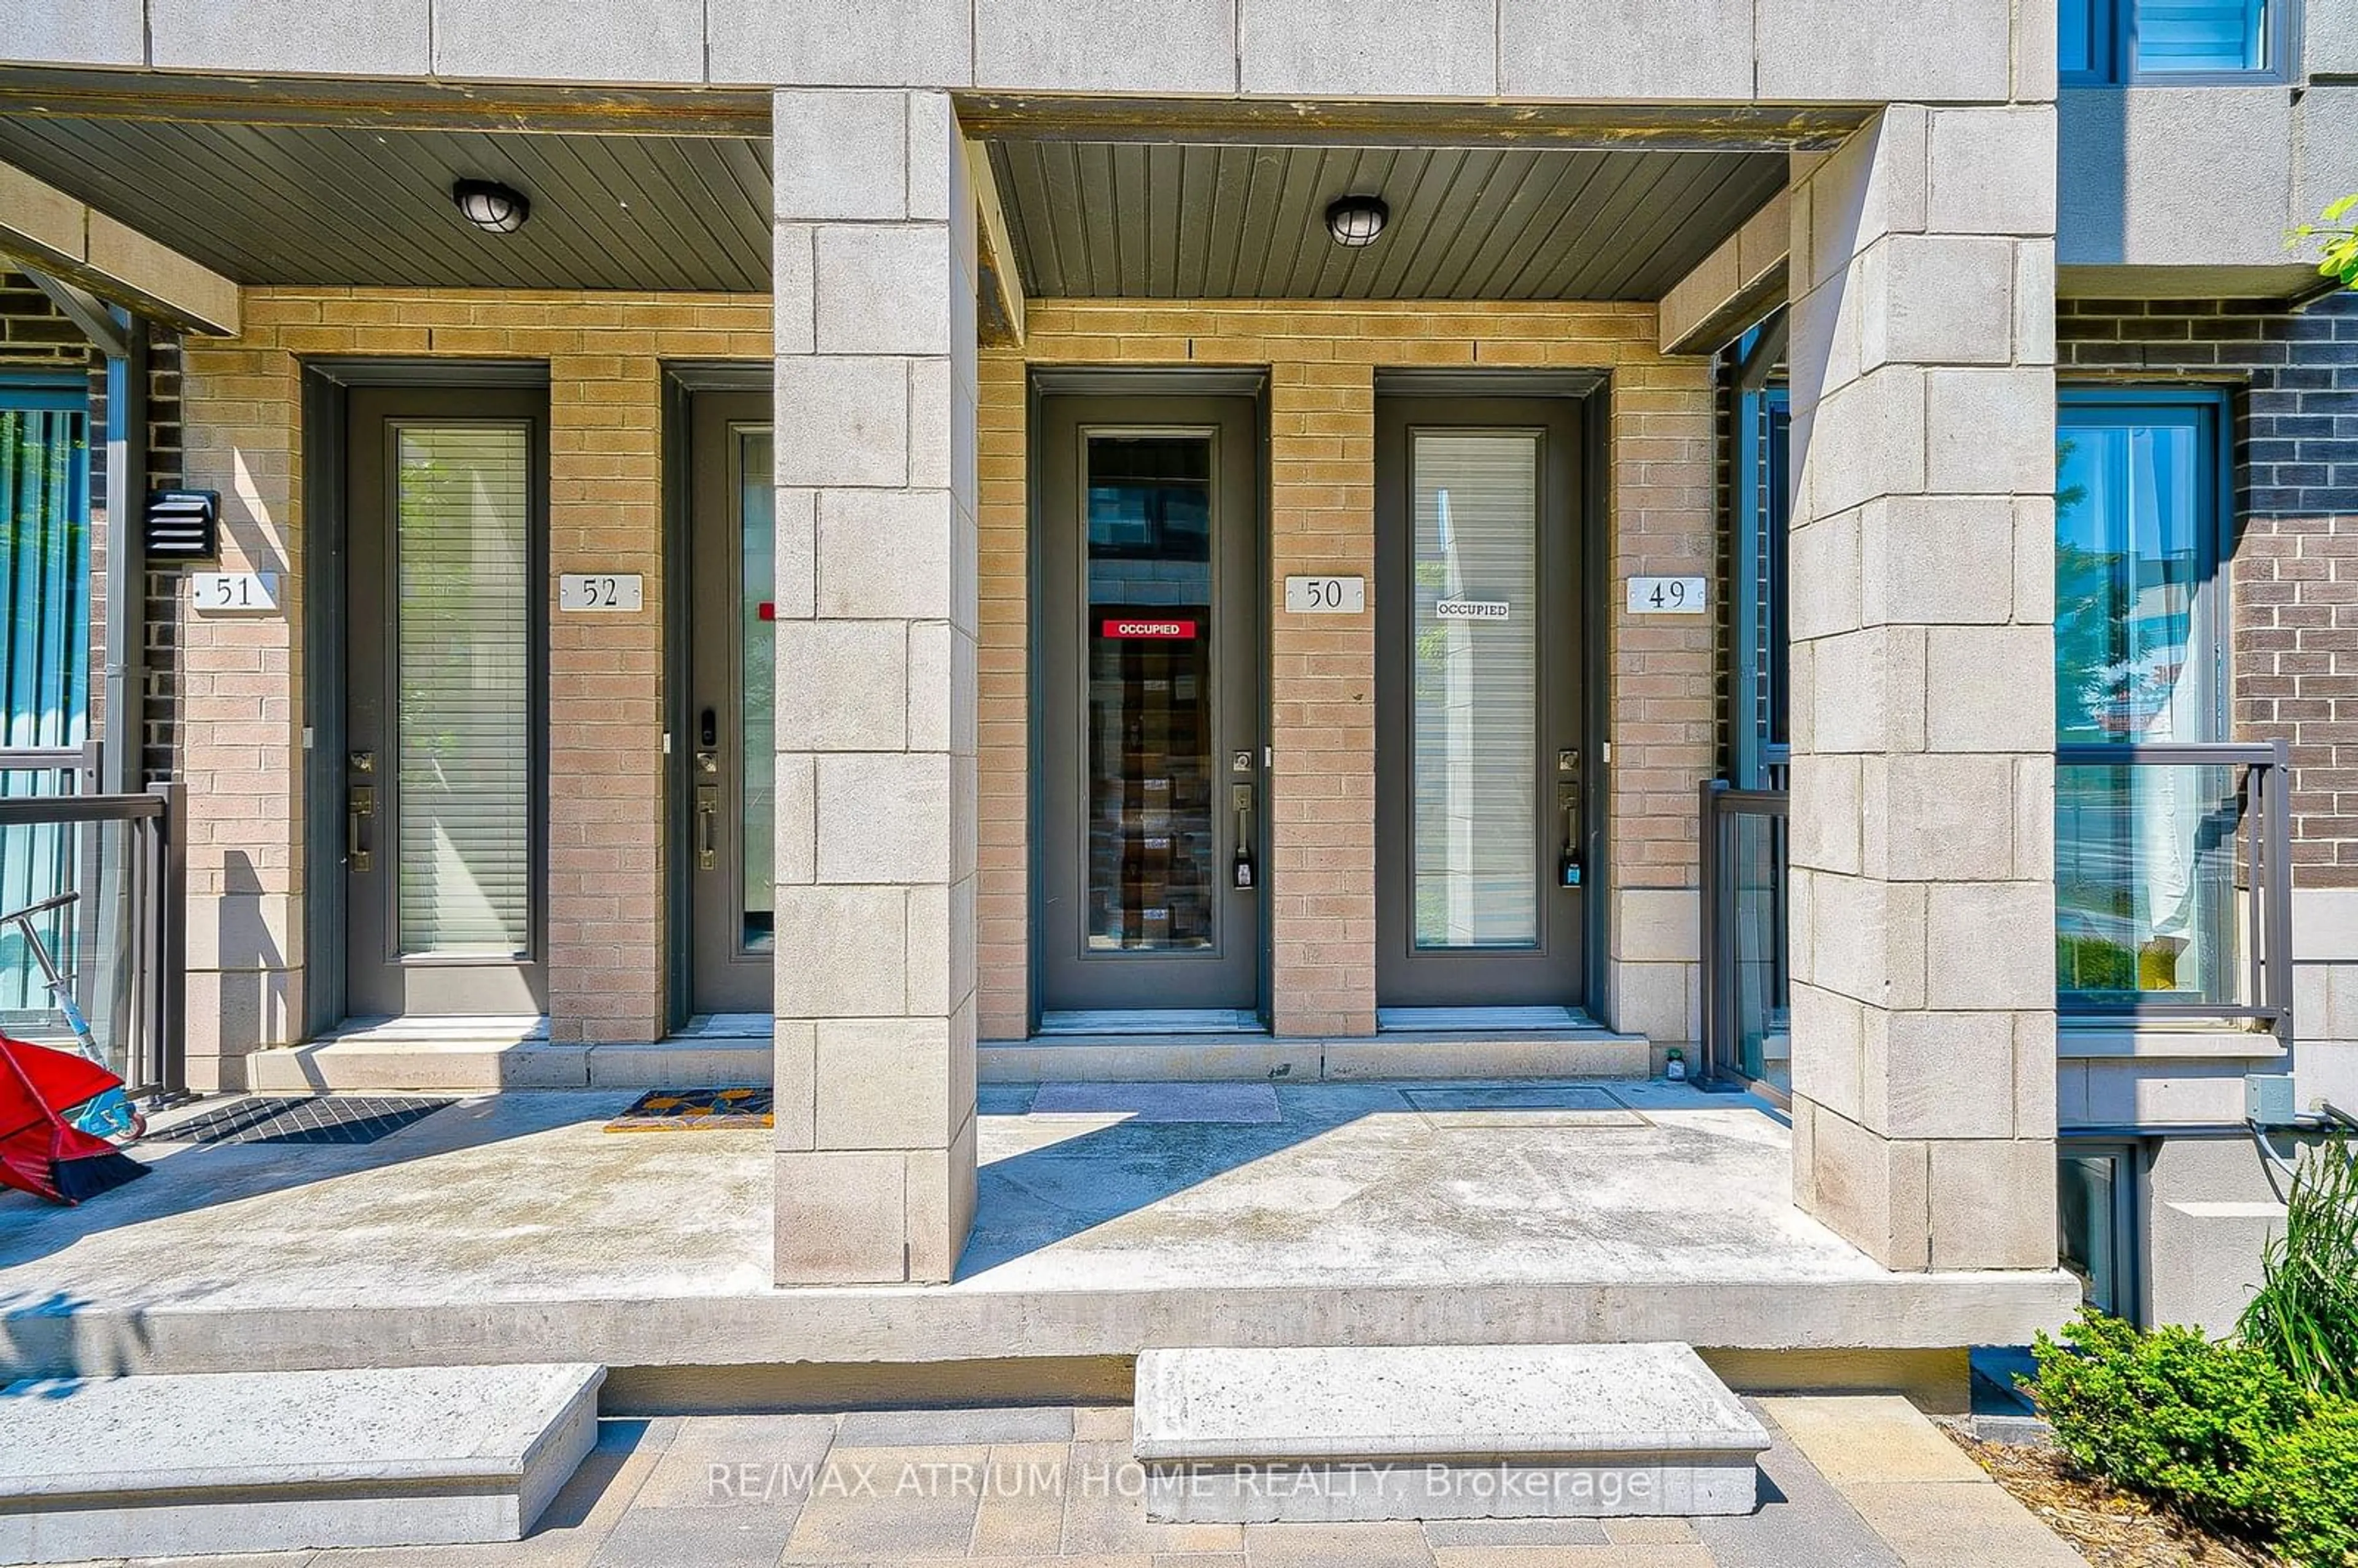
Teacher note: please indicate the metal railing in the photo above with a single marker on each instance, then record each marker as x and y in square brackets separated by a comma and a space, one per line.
[119, 866]
[2219, 835]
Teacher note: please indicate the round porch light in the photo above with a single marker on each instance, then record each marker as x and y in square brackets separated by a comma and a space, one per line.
[1356, 221]
[490, 205]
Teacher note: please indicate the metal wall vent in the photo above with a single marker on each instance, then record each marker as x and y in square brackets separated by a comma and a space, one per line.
[183, 525]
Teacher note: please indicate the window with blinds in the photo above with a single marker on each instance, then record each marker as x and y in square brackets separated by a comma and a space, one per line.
[2201, 35]
[2112, 41]
[463, 812]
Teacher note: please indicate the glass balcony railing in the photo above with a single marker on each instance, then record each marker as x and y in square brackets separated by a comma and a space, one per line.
[2173, 893]
[2173, 898]
[93, 933]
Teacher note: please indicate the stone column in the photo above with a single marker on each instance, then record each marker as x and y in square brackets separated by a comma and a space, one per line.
[875, 285]
[1923, 725]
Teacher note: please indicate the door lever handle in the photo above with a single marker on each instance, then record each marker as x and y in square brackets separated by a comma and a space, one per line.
[708, 808]
[1240, 866]
[359, 812]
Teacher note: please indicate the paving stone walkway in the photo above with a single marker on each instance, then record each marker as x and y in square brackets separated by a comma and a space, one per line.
[1850, 1483]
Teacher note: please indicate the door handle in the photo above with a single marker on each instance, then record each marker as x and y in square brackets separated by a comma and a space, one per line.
[1240, 865]
[359, 813]
[707, 810]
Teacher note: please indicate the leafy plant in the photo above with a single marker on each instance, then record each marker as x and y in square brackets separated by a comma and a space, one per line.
[2171, 1414]
[2340, 236]
[2306, 1311]
[2313, 1473]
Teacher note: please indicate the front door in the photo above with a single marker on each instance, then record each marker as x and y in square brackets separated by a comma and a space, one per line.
[444, 701]
[1149, 720]
[732, 676]
[1481, 859]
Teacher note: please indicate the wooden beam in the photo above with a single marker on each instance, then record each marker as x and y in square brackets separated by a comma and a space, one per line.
[383, 105]
[1731, 288]
[1591, 127]
[46, 230]
[1001, 313]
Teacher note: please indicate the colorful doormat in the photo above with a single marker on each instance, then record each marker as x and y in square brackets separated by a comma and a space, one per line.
[689, 1110]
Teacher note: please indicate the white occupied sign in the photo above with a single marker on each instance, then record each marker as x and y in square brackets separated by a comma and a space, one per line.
[618, 591]
[1666, 596]
[1325, 595]
[233, 593]
[1472, 610]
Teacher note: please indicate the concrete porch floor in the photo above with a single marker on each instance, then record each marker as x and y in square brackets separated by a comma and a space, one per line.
[1112, 1217]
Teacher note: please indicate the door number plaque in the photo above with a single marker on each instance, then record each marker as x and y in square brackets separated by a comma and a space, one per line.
[1666, 596]
[613, 591]
[231, 593]
[1325, 595]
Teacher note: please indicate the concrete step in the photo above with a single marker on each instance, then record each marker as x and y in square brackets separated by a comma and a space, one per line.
[488, 1064]
[1582, 1052]
[457, 1062]
[1338, 1434]
[249, 1462]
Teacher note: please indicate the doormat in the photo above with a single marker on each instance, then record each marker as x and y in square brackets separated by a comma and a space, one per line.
[301, 1119]
[692, 1110]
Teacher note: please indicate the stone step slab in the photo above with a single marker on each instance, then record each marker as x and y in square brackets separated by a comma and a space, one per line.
[1343, 1434]
[247, 1462]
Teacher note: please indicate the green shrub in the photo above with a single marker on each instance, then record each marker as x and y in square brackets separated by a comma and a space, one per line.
[2171, 1414]
[2313, 1476]
[2306, 1312]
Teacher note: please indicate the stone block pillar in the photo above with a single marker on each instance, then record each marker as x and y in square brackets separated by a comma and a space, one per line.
[1923, 725]
[876, 360]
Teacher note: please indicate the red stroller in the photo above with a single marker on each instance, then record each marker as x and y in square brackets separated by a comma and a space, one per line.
[41, 1151]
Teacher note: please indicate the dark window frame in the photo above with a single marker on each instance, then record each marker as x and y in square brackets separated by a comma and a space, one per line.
[2213, 411]
[2128, 1158]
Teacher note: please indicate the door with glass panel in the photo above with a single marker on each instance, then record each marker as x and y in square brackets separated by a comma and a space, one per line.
[1482, 852]
[444, 702]
[733, 680]
[2146, 853]
[1149, 730]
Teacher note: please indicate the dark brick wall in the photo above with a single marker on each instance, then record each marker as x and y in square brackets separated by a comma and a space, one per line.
[2293, 581]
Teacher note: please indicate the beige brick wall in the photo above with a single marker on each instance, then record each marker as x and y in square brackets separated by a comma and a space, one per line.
[1322, 359]
[243, 678]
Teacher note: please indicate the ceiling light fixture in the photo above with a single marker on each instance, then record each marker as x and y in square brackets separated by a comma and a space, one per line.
[490, 205]
[1356, 221]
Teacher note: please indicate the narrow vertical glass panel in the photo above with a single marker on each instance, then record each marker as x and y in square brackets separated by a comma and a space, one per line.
[1755, 865]
[2087, 1225]
[1152, 855]
[463, 515]
[1475, 722]
[2201, 35]
[757, 663]
[2144, 852]
[2079, 49]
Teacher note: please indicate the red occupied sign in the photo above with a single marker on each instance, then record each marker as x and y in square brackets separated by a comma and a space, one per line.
[1169, 629]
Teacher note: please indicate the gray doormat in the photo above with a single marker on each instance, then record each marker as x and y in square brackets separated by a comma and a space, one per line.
[301, 1119]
